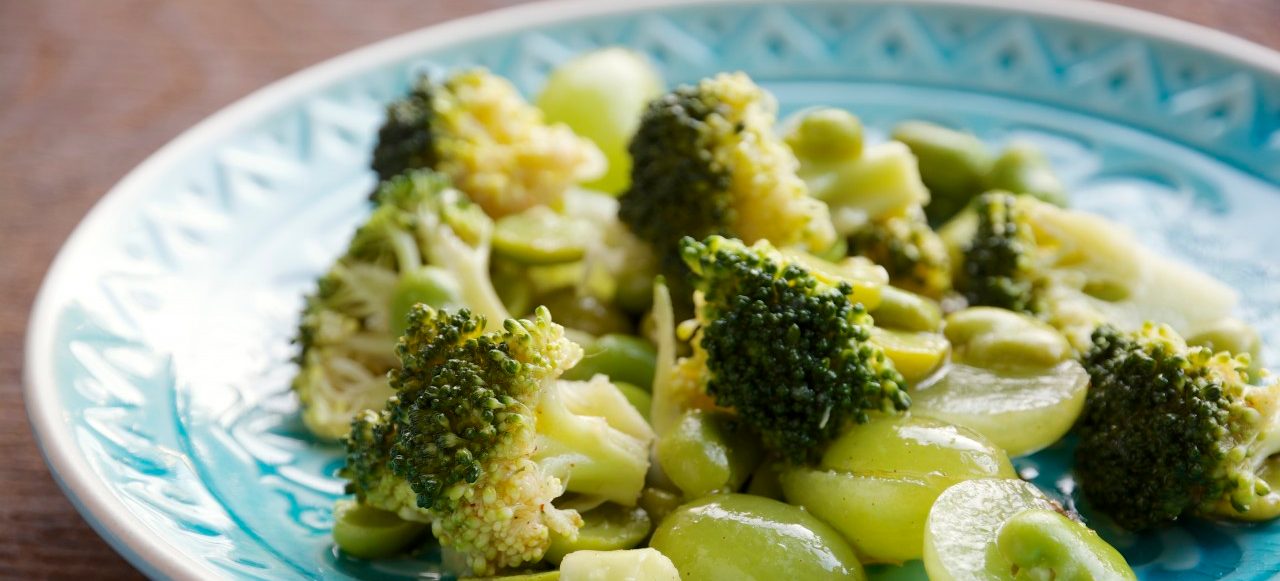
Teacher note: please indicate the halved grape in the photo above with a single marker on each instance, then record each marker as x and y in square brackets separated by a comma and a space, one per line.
[875, 483]
[744, 537]
[1020, 410]
[539, 235]
[996, 530]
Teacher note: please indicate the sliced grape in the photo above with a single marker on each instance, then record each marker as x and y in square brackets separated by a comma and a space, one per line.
[875, 484]
[961, 531]
[744, 537]
[1020, 410]
[996, 530]
[539, 235]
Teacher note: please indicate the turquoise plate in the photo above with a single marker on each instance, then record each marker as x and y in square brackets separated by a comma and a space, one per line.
[158, 355]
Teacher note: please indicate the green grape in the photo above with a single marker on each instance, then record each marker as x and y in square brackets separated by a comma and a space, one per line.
[997, 530]
[1011, 379]
[875, 483]
[867, 278]
[600, 95]
[1020, 410]
[608, 527]
[369, 533]
[739, 537]
[539, 235]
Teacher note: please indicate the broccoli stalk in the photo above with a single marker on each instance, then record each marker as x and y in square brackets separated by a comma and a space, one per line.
[706, 161]
[424, 241]
[784, 346]
[1170, 430]
[476, 128]
[482, 438]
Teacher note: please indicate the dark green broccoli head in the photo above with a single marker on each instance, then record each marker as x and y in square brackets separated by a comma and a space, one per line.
[785, 347]
[481, 437]
[706, 161]
[912, 253]
[998, 259]
[476, 128]
[406, 140]
[1170, 430]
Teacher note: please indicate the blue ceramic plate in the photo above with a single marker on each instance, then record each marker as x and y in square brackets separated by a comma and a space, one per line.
[158, 356]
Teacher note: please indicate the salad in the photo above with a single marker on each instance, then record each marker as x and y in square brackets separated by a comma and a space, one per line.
[626, 332]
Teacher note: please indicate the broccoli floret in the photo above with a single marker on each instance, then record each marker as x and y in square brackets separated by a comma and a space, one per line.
[476, 128]
[784, 346]
[998, 262]
[912, 253]
[1075, 270]
[706, 161]
[875, 196]
[424, 241]
[1170, 430]
[482, 437]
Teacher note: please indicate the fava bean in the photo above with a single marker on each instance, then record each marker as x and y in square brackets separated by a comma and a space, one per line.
[706, 452]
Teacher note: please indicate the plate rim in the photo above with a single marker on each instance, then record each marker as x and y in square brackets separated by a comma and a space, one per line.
[108, 516]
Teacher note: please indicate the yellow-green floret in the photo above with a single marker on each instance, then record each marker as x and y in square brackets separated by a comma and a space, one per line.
[482, 437]
[1170, 430]
[912, 253]
[476, 128]
[424, 242]
[707, 161]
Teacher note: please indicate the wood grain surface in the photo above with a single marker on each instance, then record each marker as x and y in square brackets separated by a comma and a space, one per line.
[89, 88]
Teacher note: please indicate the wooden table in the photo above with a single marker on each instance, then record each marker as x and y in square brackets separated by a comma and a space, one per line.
[89, 88]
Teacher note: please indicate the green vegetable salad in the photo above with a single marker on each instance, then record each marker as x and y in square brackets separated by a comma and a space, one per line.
[626, 332]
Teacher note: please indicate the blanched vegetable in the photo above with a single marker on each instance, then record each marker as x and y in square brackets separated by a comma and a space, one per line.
[741, 537]
[368, 533]
[634, 565]
[608, 527]
[876, 483]
[996, 530]
[707, 452]
[1011, 379]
